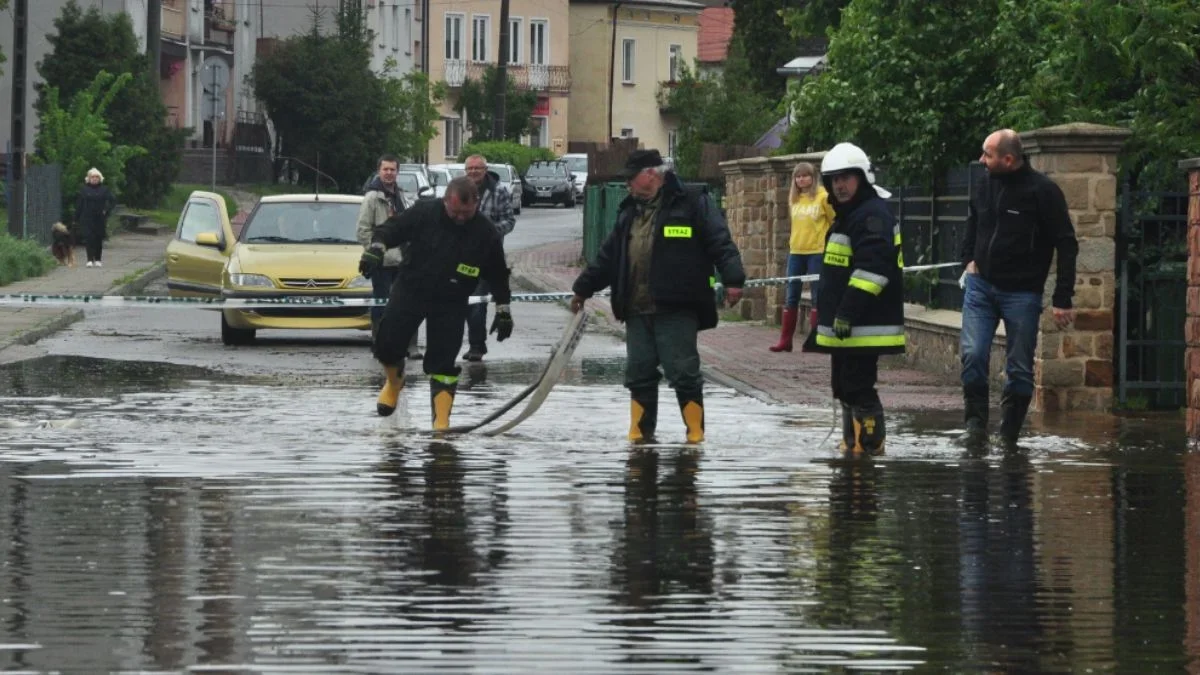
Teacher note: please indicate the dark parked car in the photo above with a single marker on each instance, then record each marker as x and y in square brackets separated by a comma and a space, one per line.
[548, 182]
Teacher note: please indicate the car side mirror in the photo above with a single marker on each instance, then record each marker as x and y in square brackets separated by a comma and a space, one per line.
[209, 239]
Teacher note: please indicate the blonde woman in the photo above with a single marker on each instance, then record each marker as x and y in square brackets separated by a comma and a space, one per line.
[812, 214]
[92, 208]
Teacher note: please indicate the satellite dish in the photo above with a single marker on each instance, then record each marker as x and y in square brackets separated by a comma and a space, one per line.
[214, 78]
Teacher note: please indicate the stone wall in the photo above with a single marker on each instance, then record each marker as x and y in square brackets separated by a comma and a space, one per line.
[1192, 166]
[1074, 367]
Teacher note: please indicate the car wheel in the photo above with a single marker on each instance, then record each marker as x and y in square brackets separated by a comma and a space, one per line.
[570, 203]
[233, 337]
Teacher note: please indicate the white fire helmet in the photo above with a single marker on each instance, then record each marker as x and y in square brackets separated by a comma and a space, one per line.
[847, 156]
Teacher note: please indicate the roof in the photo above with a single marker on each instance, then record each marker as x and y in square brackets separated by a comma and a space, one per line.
[665, 4]
[310, 197]
[802, 65]
[716, 29]
[773, 139]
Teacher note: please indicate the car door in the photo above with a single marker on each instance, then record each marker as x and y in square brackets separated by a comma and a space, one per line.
[203, 241]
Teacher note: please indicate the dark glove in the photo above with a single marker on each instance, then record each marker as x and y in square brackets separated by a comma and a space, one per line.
[841, 328]
[502, 325]
[371, 260]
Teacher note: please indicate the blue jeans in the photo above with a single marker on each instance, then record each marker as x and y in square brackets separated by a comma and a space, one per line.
[381, 288]
[984, 307]
[802, 263]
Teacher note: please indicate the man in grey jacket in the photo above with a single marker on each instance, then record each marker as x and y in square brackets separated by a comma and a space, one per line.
[383, 200]
[495, 202]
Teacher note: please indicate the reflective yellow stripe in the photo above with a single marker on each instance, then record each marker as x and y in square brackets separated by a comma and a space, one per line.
[712, 282]
[444, 379]
[837, 259]
[861, 341]
[466, 270]
[899, 248]
[677, 231]
[840, 249]
[868, 286]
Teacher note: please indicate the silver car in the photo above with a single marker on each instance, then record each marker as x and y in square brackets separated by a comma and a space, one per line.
[509, 176]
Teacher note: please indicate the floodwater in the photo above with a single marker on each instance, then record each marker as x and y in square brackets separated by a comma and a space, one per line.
[186, 520]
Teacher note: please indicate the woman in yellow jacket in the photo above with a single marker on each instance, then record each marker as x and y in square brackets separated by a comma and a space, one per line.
[812, 214]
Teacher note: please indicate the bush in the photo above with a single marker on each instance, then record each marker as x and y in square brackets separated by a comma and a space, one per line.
[507, 152]
[21, 259]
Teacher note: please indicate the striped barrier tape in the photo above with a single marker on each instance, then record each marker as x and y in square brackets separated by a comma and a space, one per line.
[317, 302]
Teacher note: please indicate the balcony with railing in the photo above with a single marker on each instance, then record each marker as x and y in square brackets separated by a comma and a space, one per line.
[531, 77]
[174, 23]
[219, 23]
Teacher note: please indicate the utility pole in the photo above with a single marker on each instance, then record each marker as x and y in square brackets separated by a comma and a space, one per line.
[498, 131]
[213, 67]
[154, 39]
[16, 226]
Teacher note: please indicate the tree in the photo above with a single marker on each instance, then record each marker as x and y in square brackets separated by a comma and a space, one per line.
[3, 6]
[410, 111]
[768, 42]
[78, 138]
[723, 109]
[85, 43]
[477, 98]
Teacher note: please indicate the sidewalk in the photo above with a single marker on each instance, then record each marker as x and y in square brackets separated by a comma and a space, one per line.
[131, 262]
[735, 353]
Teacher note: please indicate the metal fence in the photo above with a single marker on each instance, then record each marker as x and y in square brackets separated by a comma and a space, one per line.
[42, 187]
[1152, 254]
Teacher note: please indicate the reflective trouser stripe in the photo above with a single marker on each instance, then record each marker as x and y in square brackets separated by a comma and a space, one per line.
[861, 341]
[444, 379]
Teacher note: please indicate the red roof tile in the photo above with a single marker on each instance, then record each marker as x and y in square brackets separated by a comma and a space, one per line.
[716, 28]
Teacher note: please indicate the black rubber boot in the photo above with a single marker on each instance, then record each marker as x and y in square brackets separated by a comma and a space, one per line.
[1013, 408]
[643, 414]
[975, 415]
[870, 429]
[849, 442]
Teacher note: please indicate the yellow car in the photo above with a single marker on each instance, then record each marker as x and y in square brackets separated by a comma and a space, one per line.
[300, 245]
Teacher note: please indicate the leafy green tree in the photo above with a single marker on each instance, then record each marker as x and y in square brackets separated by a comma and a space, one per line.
[815, 17]
[767, 42]
[85, 43]
[410, 111]
[506, 152]
[722, 109]
[478, 99]
[78, 138]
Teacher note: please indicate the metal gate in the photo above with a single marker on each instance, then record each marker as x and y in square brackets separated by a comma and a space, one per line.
[1152, 255]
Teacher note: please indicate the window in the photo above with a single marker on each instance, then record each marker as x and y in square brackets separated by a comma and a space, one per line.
[538, 47]
[627, 51]
[395, 27]
[383, 37]
[453, 137]
[408, 44]
[479, 37]
[672, 140]
[626, 132]
[514, 40]
[201, 216]
[540, 136]
[454, 37]
[675, 63]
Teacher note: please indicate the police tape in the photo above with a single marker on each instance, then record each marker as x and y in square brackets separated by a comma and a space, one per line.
[319, 301]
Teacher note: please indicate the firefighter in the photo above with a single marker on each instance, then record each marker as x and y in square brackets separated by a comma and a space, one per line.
[451, 246]
[860, 306]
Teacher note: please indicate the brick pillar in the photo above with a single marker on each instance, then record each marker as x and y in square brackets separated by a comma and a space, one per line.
[761, 224]
[1192, 166]
[1074, 367]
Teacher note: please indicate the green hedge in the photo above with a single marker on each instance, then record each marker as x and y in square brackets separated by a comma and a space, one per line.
[21, 259]
[507, 152]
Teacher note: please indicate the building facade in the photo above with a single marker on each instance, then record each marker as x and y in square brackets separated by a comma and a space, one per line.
[629, 61]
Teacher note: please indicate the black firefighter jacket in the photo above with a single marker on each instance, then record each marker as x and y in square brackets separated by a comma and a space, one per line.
[861, 280]
[690, 239]
[444, 261]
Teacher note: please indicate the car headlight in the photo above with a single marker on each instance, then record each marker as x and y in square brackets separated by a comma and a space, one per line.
[250, 281]
[359, 282]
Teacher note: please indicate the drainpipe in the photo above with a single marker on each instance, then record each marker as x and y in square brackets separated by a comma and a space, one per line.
[612, 72]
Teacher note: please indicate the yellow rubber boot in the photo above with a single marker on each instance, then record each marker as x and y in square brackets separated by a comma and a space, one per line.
[441, 397]
[870, 432]
[389, 396]
[692, 408]
[643, 415]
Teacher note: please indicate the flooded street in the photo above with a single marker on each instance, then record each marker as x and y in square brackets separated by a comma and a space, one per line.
[173, 505]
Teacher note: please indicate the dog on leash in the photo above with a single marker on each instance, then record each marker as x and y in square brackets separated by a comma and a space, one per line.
[63, 246]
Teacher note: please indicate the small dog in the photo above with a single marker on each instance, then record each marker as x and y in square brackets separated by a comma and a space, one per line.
[63, 247]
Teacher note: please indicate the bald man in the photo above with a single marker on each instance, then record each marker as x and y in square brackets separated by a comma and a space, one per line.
[1016, 221]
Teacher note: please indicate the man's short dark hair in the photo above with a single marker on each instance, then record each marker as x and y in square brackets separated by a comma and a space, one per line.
[388, 157]
[463, 188]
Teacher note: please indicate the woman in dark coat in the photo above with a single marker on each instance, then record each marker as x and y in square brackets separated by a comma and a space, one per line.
[92, 208]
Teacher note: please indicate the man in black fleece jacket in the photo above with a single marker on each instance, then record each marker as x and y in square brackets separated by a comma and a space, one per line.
[1016, 221]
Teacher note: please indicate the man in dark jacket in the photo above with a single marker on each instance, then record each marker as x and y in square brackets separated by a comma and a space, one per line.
[1017, 219]
[449, 247]
[860, 304]
[659, 262]
[495, 202]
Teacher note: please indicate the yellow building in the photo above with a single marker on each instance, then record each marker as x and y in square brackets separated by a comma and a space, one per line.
[464, 38]
[623, 65]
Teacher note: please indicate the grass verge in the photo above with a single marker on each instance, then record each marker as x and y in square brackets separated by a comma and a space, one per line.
[167, 212]
[21, 259]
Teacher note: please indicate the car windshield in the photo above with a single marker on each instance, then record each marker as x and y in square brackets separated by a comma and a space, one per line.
[439, 178]
[546, 171]
[503, 172]
[408, 182]
[457, 172]
[576, 164]
[299, 222]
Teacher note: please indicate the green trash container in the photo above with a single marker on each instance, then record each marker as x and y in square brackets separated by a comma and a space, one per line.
[593, 221]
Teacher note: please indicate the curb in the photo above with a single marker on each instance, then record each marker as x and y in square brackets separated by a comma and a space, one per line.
[67, 317]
